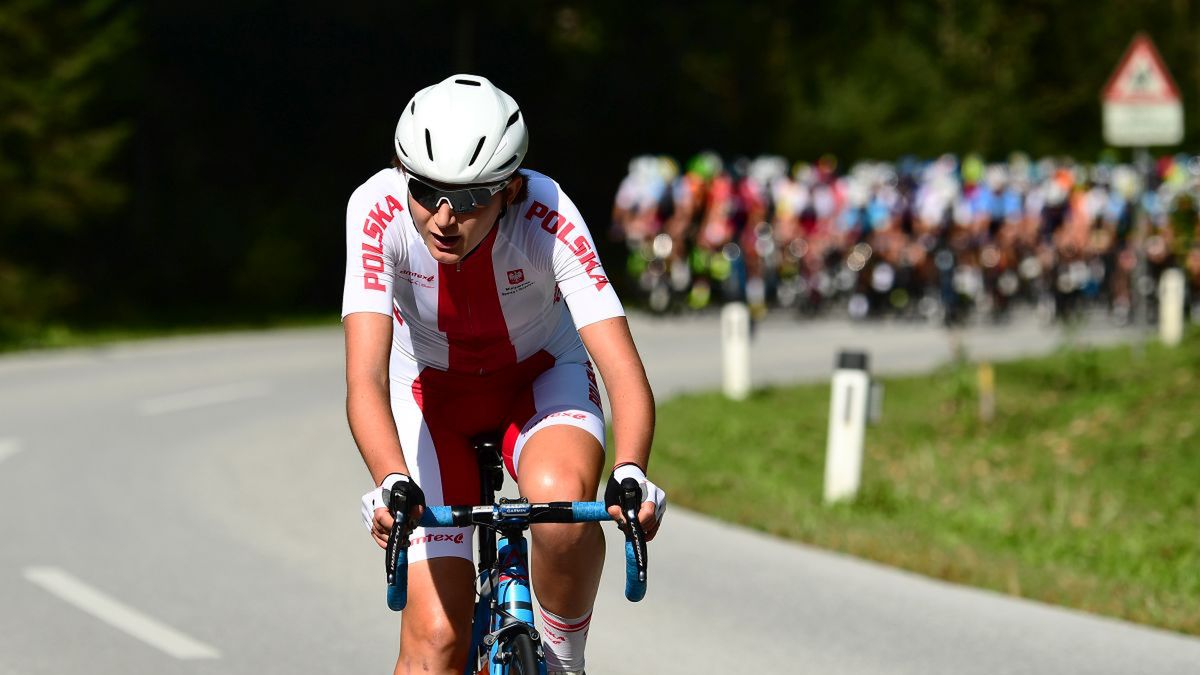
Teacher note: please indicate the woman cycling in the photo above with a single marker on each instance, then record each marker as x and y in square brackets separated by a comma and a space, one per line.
[472, 289]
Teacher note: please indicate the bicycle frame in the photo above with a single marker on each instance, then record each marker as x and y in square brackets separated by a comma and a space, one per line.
[505, 598]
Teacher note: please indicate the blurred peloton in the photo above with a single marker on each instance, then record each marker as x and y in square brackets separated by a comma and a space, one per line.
[950, 240]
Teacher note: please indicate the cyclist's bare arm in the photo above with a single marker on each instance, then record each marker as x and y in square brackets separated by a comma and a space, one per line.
[368, 408]
[611, 345]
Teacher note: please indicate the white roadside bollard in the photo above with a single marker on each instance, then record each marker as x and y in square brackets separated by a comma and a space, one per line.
[735, 350]
[1170, 307]
[849, 400]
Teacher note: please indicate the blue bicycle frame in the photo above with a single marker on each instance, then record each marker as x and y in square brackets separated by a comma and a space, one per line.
[513, 604]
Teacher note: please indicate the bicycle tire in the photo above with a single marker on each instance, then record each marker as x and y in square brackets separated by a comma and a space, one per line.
[524, 655]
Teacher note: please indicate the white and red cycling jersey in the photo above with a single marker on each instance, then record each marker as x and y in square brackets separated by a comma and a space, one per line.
[487, 344]
[502, 304]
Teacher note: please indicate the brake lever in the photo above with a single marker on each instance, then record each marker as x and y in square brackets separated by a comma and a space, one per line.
[631, 502]
[398, 537]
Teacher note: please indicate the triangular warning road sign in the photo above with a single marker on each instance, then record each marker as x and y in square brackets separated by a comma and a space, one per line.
[1141, 76]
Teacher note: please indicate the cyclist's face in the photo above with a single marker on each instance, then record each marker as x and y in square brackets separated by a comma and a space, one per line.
[450, 236]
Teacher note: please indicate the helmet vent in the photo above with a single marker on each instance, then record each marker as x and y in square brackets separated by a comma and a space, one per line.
[402, 150]
[473, 83]
[513, 120]
[510, 161]
[412, 107]
[428, 145]
[477, 149]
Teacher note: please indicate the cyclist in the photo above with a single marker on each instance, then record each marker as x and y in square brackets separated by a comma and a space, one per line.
[472, 288]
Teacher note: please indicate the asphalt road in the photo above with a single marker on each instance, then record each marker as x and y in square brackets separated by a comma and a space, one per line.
[191, 506]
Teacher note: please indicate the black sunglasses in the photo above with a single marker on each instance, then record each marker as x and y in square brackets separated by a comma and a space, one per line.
[461, 200]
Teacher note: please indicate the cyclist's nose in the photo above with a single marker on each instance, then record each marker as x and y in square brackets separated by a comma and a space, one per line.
[444, 216]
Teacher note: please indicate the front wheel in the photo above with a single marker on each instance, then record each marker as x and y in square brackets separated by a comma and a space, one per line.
[524, 656]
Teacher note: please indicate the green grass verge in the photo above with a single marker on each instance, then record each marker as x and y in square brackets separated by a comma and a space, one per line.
[1083, 491]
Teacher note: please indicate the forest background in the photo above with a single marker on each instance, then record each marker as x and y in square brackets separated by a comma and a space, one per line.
[188, 164]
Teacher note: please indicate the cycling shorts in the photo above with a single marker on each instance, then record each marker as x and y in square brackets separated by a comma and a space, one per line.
[439, 414]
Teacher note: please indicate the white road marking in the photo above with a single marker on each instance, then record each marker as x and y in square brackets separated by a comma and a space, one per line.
[199, 398]
[8, 448]
[118, 615]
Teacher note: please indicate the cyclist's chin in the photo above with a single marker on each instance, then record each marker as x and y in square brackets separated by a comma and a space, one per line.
[445, 258]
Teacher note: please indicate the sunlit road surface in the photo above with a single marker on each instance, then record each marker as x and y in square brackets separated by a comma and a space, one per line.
[191, 506]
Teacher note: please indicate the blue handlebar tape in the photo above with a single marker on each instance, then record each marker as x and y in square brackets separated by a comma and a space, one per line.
[589, 512]
[397, 595]
[437, 516]
[634, 589]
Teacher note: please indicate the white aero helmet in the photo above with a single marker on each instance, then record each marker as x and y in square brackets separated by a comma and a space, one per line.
[462, 130]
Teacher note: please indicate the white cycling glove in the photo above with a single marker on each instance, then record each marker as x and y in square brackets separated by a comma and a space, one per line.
[377, 498]
[650, 492]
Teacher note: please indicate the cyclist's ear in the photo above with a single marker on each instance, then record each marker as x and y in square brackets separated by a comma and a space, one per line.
[514, 190]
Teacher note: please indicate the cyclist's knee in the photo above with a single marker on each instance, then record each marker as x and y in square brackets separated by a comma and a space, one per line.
[568, 542]
[556, 483]
[547, 482]
[560, 464]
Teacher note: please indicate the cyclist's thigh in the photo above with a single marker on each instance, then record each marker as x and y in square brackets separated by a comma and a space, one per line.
[560, 463]
[564, 395]
[441, 597]
[444, 465]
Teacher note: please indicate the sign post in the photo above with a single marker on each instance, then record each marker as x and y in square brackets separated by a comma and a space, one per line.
[1142, 107]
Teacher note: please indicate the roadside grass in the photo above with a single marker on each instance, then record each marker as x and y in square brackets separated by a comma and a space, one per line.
[1083, 491]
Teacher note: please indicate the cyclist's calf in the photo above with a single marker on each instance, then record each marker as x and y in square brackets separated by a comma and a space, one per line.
[435, 633]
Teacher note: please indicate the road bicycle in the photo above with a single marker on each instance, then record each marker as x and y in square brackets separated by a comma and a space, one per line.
[504, 637]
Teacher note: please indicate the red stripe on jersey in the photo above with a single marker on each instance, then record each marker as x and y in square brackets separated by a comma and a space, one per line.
[456, 464]
[523, 410]
[455, 457]
[524, 407]
[456, 407]
[470, 315]
[566, 628]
